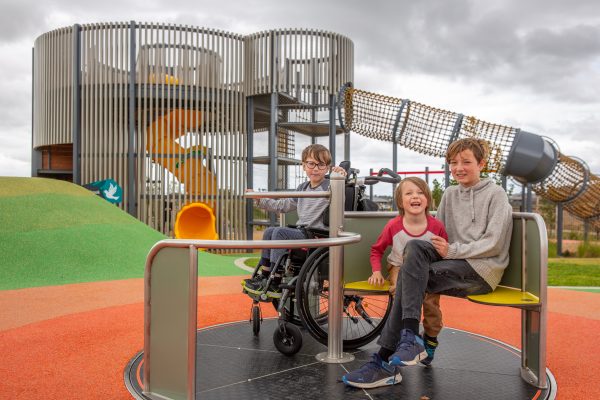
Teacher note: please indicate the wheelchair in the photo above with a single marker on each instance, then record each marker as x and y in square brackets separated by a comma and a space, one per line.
[302, 301]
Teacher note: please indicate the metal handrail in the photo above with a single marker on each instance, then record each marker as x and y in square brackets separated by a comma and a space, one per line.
[343, 239]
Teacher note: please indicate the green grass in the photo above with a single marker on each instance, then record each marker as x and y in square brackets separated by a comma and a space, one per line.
[561, 271]
[574, 272]
[219, 264]
[252, 262]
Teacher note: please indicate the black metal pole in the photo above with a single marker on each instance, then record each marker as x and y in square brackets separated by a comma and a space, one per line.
[131, 178]
[35, 159]
[529, 198]
[559, 229]
[76, 114]
[250, 166]
[332, 128]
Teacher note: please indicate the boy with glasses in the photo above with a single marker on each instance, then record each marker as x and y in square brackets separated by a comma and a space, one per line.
[316, 163]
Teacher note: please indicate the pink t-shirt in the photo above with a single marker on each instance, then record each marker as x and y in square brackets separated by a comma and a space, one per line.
[394, 234]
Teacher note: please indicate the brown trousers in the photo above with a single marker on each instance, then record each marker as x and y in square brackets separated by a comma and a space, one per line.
[432, 313]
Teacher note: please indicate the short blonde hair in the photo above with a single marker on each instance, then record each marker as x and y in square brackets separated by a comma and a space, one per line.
[479, 147]
[418, 182]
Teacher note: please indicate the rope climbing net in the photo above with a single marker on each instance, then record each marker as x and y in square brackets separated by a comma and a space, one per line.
[429, 130]
[419, 127]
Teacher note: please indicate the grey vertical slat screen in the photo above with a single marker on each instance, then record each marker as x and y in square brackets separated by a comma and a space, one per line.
[104, 103]
[321, 60]
[53, 88]
[190, 96]
[191, 85]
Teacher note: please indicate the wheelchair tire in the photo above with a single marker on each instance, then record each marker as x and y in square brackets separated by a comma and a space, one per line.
[287, 339]
[256, 320]
[364, 314]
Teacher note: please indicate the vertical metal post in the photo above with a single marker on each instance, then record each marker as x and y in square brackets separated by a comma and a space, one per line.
[76, 112]
[250, 165]
[559, 229]
[395, 138]
[371, 186]
[131, 194]
[334, 354]
[455, 132]
[447, 176]
[504, 182]
[346, 145]
[523, 199]
[529, 198]
[332, 131]
[273, 156]
[35, 154]
[427, 175]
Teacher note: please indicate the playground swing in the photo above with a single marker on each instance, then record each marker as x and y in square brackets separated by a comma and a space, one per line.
[304, 291]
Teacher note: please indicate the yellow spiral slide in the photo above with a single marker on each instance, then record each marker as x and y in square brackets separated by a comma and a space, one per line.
[194, 220]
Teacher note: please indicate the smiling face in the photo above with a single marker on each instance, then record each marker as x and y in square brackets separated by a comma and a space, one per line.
[465, 168]
[414, 198]
[315, 170]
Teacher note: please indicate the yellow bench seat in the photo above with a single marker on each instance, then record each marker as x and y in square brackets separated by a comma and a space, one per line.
[506, 296]
[364, 286]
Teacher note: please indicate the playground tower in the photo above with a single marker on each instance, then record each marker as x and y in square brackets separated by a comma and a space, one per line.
[170, 112]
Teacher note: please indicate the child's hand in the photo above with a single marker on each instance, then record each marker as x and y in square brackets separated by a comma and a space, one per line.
[376, 279]
[339, 170]
[440, 245]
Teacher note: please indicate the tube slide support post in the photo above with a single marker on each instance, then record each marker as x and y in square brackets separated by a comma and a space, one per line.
[334, 354]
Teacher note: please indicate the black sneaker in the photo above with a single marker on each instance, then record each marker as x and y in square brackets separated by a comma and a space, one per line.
[430, 346]
[254, 284]
[373, 374]
[409, 351]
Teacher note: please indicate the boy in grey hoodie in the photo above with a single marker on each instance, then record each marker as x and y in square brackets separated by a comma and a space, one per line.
[478, 219]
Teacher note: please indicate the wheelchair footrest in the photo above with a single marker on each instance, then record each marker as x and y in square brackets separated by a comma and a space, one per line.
[261, 294]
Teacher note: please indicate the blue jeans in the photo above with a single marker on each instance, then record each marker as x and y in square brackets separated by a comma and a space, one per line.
[424, 271]
[280, 233]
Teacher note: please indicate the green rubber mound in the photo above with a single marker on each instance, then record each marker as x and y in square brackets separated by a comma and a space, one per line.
[54, 233]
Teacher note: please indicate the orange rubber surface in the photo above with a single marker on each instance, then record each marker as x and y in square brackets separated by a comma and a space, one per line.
[74, 341]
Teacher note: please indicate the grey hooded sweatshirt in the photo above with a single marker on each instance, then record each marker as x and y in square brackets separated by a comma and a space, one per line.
[478, 220]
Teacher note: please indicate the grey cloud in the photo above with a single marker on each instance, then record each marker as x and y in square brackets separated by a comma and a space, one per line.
[19, 19]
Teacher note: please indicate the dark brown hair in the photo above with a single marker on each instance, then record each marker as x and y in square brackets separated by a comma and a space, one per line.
[318, 152]
[479, 147]
[418, 182]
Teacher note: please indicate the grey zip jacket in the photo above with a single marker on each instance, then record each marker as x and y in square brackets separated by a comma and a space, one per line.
[478, 220]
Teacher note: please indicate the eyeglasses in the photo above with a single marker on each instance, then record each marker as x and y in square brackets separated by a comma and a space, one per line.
[311, 165]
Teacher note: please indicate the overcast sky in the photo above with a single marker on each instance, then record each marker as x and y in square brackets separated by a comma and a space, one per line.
[532, 64]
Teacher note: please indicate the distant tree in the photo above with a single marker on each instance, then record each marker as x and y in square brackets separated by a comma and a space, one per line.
[547, 210]
[436, 193]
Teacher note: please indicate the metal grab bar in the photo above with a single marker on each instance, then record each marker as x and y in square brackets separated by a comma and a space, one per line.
[287, 194]
[343, 238]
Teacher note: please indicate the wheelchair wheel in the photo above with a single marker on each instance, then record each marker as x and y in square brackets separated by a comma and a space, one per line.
[287, 339]
[256, 320]
[363, 314]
